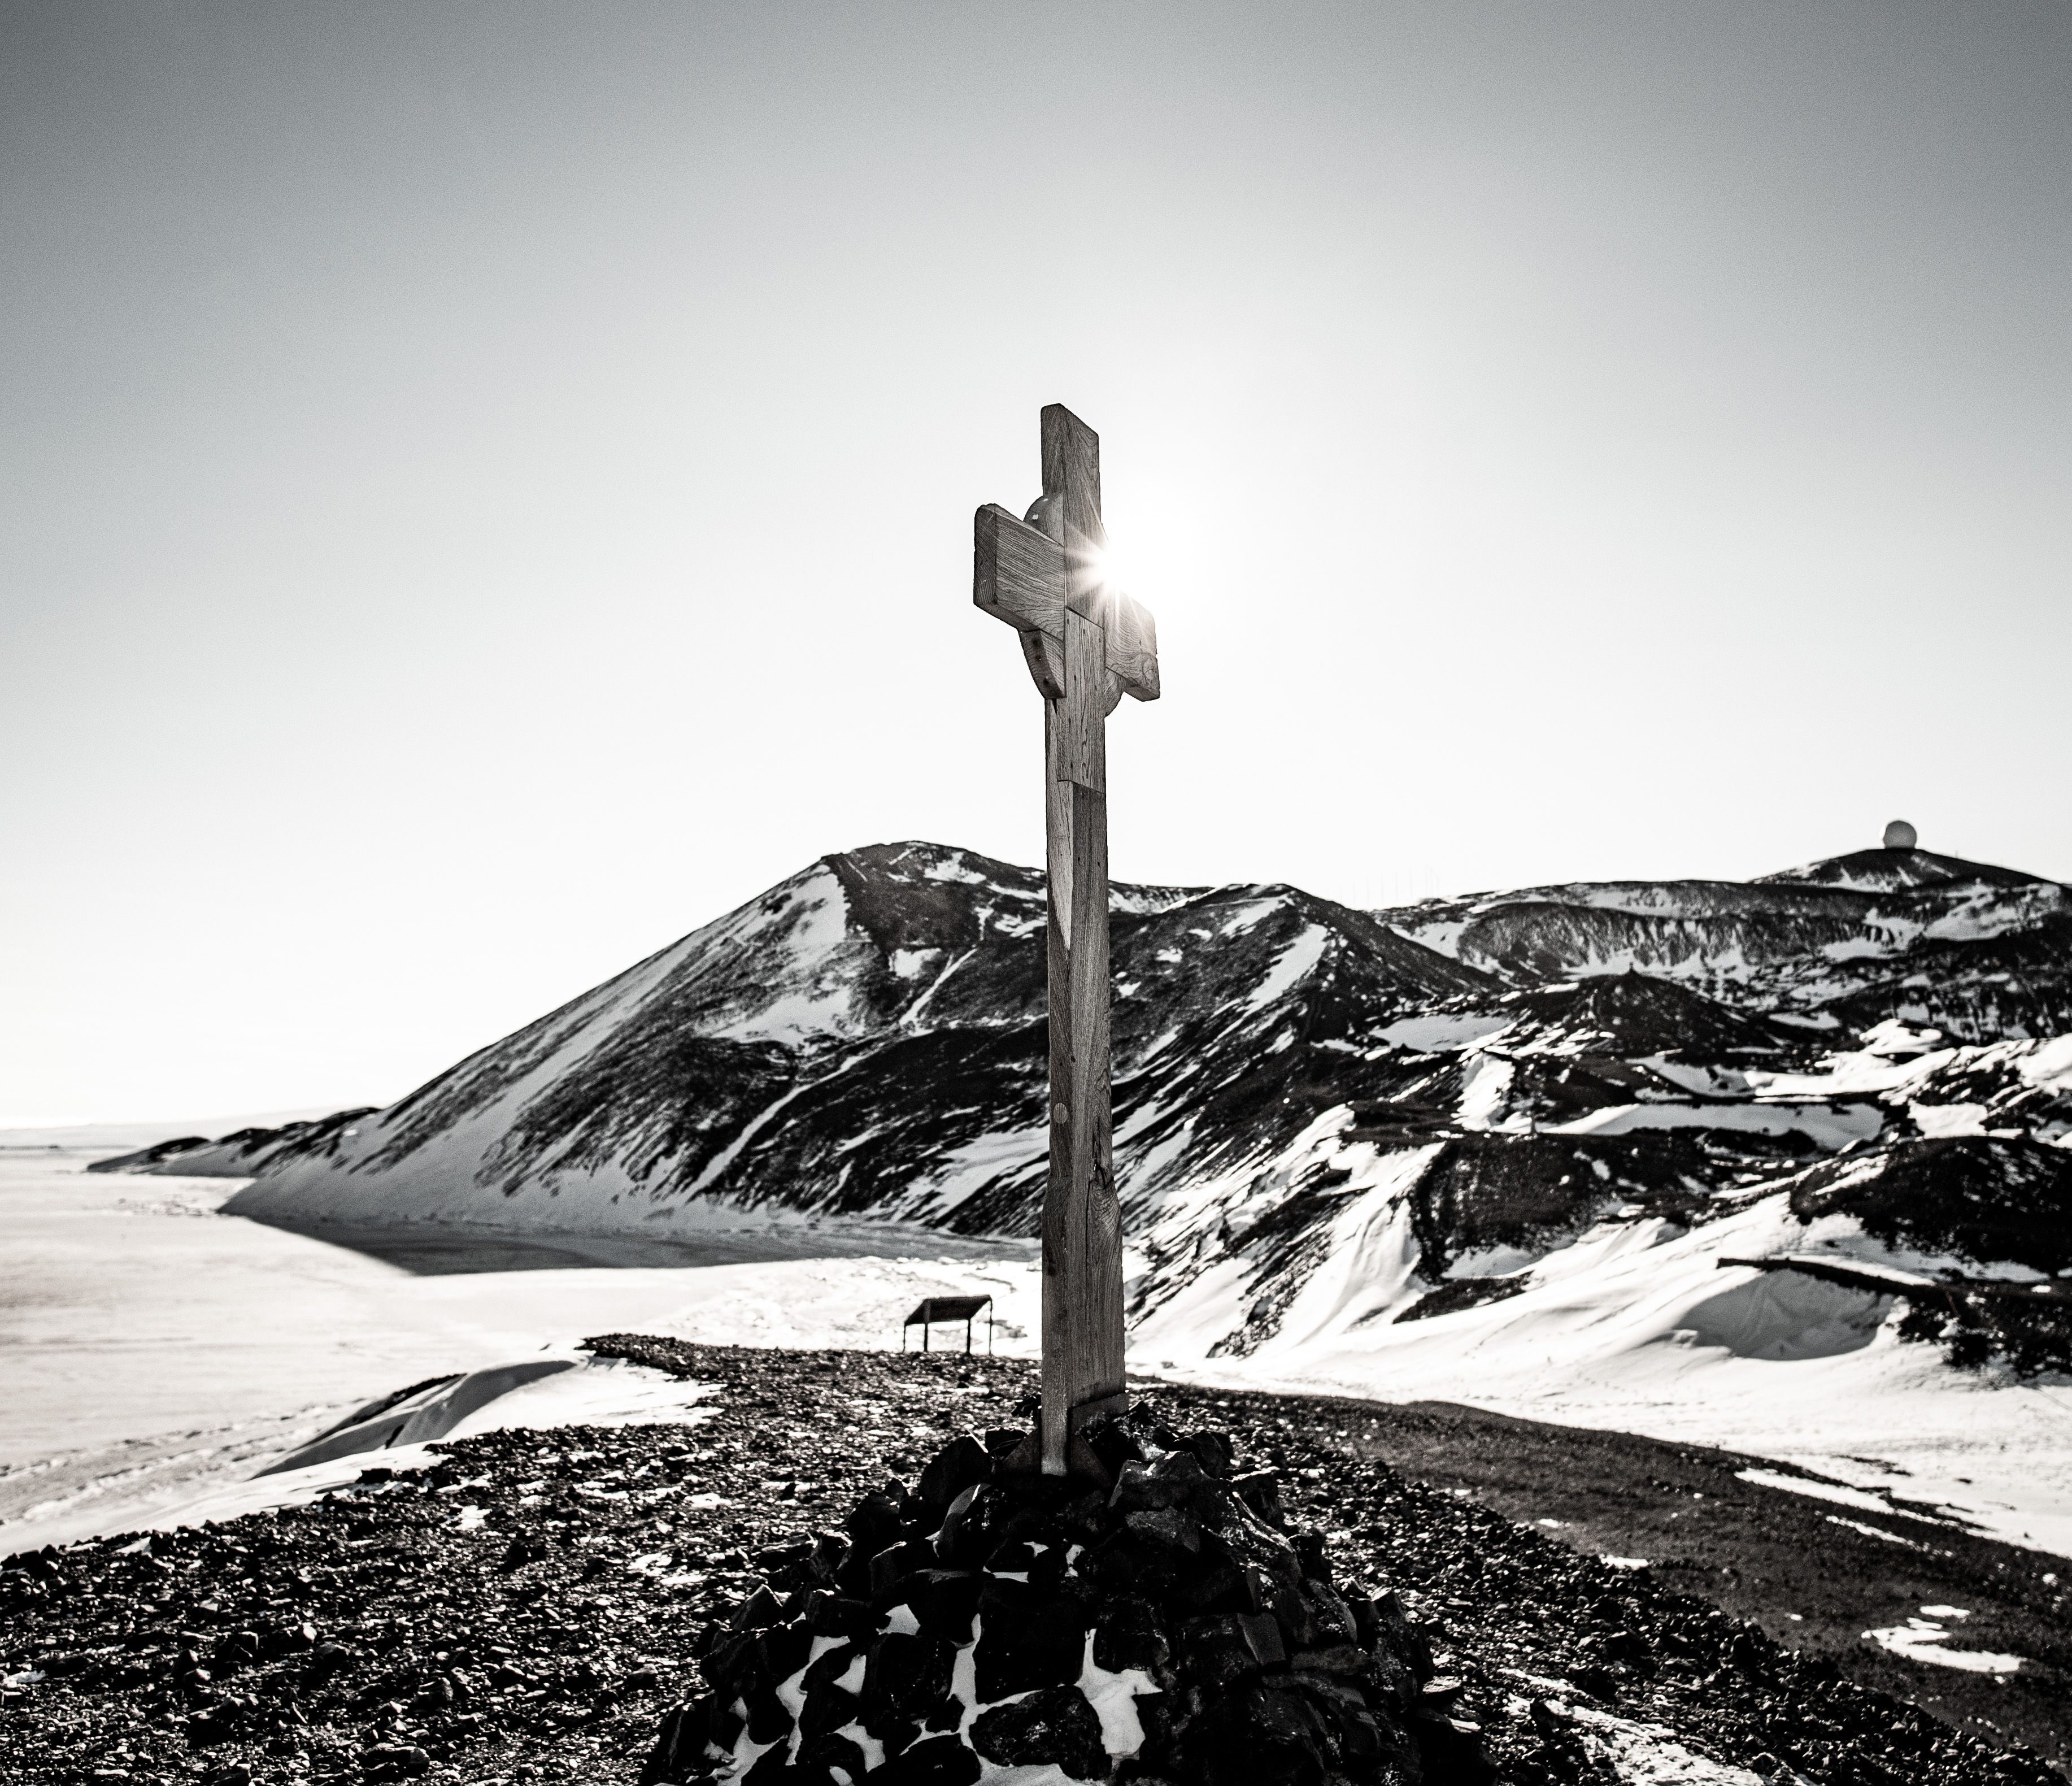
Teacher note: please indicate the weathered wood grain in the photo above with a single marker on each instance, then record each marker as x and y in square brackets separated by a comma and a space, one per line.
[1017, 573]
[1133, 646]
[1085, 706]
[1097, 1353]
[1061, 1264]
[1086, 646]
[1058, 843]
[1072, 482]
[1046, 658]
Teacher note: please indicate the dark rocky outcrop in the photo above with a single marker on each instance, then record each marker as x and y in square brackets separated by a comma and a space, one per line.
[1980, 1197]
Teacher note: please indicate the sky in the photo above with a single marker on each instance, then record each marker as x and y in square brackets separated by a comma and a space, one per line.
[485, 489]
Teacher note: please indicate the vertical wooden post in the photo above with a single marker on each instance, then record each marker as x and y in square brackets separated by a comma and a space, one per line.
[1082, 1223]
[1085, 644]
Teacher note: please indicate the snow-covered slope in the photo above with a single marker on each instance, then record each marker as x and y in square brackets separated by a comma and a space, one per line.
[1333, 1128]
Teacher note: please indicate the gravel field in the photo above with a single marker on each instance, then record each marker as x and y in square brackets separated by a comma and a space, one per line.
[529, 1608]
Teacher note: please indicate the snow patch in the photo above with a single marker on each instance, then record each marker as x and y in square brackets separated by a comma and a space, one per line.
[1924, 1639]
[1830, 1126]
[1832, 1492]
[1297, 960]
[1441, 1033]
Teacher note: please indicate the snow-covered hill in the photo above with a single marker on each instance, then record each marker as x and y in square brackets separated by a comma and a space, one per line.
[1334, 1128]
[867, 1039]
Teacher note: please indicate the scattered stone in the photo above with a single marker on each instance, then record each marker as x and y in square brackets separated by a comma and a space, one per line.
[391, 1761]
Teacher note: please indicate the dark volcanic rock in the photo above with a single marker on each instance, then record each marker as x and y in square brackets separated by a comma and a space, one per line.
[1074, 1583]
[1056, 1725]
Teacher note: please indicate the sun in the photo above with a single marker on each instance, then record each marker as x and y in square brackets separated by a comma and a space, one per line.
[1113, 572]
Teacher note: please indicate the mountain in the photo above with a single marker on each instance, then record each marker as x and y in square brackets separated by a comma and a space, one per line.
[868, 1039]
[1980, 953]
[1329, 1123]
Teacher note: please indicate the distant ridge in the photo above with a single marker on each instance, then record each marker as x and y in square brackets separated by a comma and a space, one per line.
[94, 1135]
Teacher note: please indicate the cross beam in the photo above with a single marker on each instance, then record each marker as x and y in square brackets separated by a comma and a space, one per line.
[1086, 645]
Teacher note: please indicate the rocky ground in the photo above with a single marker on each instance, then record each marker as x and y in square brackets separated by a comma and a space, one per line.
[1814, 1575]
[529, 1609]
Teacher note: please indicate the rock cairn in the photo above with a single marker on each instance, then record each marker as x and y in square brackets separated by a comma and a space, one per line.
[1150, 1618]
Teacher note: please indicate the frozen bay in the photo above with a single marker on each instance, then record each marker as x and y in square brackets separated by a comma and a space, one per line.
[153, 1347]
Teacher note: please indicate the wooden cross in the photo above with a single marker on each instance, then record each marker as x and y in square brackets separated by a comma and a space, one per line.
[1087, 644]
